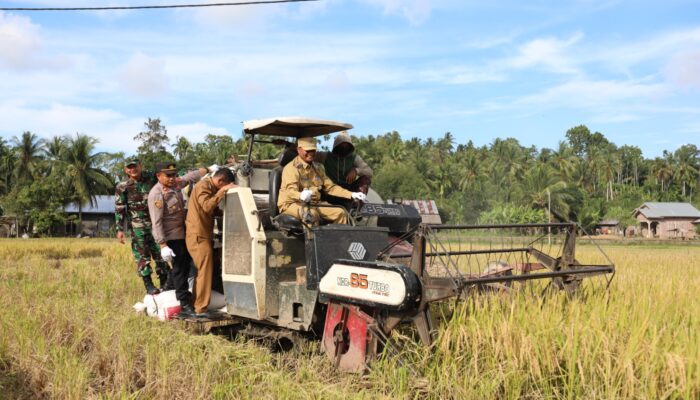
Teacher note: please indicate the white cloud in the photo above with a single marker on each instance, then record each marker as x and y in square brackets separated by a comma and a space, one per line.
[461, 75]
[622, 56]
[683, 70]
[549, 53]
[144, 76]
[114, 130]
[594, 94]
[416, 12]
[337, 81]
[19, 41]
[194, 132]
[691, 128]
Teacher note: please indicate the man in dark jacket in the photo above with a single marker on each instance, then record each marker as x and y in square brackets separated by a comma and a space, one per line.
[344, 167]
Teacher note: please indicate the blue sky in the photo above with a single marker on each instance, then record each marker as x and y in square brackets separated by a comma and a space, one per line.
[528, 70]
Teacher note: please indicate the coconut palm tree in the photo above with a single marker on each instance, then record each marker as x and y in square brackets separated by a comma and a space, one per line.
[7, 162]
[662, 171]
[82, 173]
[543, 187]
[183, 149]
[28, 151]
[52, 150]
[472, 172]
[564, 160]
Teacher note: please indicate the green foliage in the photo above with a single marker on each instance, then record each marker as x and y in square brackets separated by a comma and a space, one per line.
[508, 214]
[584, 178]
[400, 181]
[28, 151]
[82, 176]
[153, 142]
[39, 204]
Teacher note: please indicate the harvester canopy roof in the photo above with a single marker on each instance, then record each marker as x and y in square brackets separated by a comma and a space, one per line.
[293, 127]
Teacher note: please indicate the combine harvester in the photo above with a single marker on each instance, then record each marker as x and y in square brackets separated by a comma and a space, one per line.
[354, 284]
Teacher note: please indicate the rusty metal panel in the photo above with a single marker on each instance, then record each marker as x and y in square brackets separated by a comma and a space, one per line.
[237, 256]
[274, 277]
[240, 299]
[284, 252]
[296, 306]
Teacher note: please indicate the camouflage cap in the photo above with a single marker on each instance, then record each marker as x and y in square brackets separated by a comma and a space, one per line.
[132, 161]
[166, 167]
[307, 143]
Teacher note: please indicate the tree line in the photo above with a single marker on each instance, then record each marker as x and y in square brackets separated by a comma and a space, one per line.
[585, 178]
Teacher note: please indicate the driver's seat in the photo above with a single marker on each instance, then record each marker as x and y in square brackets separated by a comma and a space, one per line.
[283, 222]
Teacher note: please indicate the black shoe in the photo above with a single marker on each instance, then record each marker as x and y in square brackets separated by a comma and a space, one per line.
[202, 315]
[187, 310]
[150, 287]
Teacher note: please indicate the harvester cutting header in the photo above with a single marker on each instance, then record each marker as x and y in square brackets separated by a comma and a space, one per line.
[354, 283]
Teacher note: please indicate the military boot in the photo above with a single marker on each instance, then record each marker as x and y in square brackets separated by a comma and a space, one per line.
[166, 281]
[150, 287]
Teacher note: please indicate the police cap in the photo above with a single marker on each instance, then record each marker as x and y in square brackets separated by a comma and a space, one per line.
[166, 167]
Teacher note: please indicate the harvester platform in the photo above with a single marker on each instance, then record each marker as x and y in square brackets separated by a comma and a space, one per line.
[216, 319]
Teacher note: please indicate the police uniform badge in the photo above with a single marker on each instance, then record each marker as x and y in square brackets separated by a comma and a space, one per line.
[158, 203]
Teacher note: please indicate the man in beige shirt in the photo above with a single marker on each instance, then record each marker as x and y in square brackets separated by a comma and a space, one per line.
[303, 181]
[203, 203]
[166, 207]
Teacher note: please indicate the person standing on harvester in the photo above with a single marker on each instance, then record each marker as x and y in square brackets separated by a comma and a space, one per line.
[131, 206]
[166, 206]
[203, 203]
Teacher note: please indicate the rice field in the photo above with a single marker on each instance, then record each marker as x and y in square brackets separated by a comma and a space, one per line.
[67, 330]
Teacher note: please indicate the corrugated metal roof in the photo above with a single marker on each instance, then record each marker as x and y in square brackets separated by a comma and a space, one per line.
[427, 209]
[608, 222]
[104, 204]
[667, 210]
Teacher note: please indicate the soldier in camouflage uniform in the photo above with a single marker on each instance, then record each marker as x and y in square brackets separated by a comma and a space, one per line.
[131, 205]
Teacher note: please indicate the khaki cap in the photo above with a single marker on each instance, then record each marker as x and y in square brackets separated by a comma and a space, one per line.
[307, 143]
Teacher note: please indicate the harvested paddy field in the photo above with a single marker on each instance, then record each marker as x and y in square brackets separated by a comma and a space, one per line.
[67, 330]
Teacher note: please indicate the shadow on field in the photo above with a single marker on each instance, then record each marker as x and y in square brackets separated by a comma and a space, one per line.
[14, 385]
[60, 254]
[275, 340]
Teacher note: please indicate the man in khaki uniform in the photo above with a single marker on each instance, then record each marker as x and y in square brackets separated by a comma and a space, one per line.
[166, 206]
[203, 203]
[303, 181]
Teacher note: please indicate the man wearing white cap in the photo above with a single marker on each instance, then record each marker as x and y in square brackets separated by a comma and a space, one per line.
[303, 181]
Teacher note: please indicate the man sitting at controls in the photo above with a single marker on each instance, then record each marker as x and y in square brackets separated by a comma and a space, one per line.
[303, 181]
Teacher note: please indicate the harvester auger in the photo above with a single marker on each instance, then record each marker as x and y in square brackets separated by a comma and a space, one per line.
[447, 261]
[354, 285]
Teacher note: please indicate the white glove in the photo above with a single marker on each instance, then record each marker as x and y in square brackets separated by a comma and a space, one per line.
[305, 195]
[359, 196]
[213, 168]
[167, 254]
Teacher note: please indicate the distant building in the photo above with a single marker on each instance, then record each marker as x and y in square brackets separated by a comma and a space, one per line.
[98, 219]
[667, 220]
[426, 208]
[609, 227]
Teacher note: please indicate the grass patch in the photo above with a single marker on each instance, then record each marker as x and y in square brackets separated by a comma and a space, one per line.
[68, 331]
